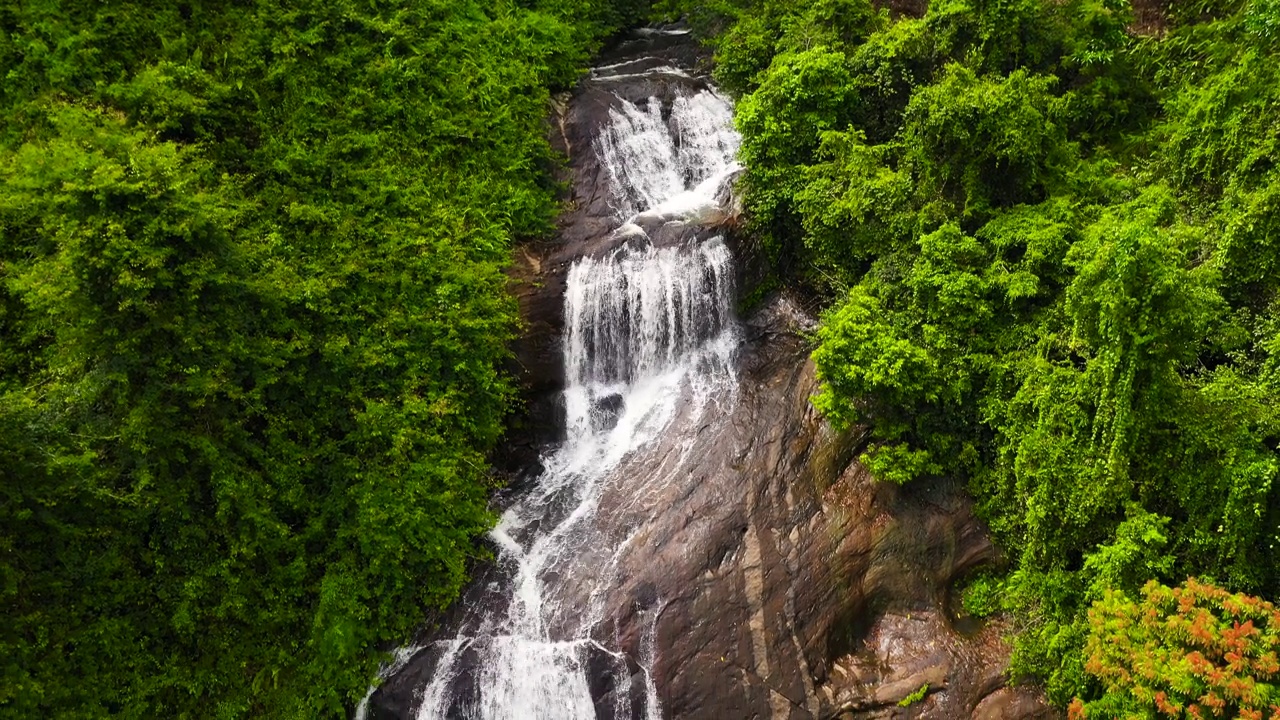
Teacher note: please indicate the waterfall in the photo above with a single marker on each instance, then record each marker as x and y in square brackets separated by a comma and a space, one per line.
[638, 323]
[649, 340]
[668, 164]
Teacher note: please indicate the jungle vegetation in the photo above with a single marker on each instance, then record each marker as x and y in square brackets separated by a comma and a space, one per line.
[253, 318]
[1048, 238]
[252, 324]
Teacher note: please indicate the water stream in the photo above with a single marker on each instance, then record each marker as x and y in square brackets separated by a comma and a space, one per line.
[648, 350]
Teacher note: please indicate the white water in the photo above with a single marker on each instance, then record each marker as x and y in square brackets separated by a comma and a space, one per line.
[648, 349]
[670, 165]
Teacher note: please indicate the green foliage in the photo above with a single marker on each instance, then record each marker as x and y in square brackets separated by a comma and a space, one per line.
[252, 324]
[915, 696]
[854, 206]
[985, 143]
[887, 68]
[1262, 19]
[1049, 248]
[1250, 244]
[981, 596]
[1137, 552]
[1195, 650]
[805, 95]
[765, 30]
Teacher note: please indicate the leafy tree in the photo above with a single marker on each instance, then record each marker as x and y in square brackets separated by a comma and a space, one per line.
[986, 143]
[1046, 246]
[1194, 651]
[253, 325]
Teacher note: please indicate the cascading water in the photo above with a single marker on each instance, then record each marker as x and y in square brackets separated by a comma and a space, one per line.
[648, 345]
[640, 324]
[671, 165]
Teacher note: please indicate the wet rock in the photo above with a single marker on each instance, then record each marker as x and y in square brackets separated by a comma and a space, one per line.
[617, 685]
[1013, 703]
[608, 409]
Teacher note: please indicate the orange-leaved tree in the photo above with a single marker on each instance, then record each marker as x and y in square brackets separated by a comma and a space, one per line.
[1192, 651]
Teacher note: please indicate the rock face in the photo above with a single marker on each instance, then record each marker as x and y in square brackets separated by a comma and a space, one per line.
[764, 574]
[794, 586]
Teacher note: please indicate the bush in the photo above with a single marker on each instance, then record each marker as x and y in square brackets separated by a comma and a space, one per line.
[250, 352]
[1195, 650]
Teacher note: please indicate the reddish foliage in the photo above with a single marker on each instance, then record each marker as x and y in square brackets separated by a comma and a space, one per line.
[1195, 646]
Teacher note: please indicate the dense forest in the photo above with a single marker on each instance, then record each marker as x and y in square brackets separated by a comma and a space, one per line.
[1048, 235]
[253, 320]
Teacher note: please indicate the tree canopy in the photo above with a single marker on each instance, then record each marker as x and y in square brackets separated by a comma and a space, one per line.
[1048, 246]
[1193, 651]
[252, 328]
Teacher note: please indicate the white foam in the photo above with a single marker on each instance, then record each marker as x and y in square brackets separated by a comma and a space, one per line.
[651, 159]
